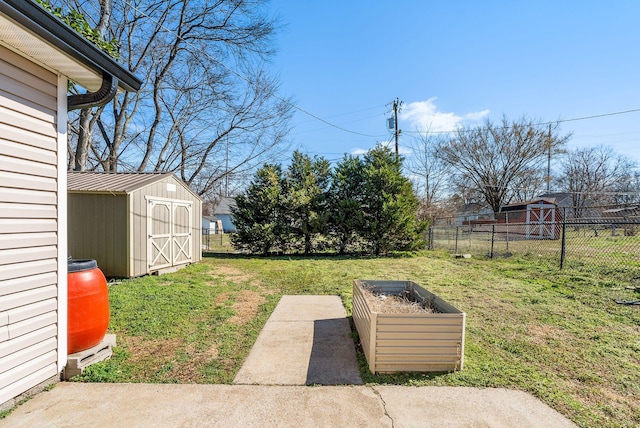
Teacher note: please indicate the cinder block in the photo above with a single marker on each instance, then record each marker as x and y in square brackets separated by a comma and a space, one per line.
[76, 363]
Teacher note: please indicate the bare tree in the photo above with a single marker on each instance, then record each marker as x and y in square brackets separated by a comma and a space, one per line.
[207, 108]
[494, 159]
[627, 191]
[429, 172]
[595, 176]
[528, 185]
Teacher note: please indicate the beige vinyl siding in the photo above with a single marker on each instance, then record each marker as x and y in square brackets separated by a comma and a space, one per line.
[28, 225]
[364, 322]
[395, 342]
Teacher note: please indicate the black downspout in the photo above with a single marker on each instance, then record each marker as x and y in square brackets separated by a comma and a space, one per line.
[107, 91]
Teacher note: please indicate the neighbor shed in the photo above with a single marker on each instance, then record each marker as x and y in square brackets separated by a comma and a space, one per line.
[536, 219]
[38, 56]
[133, 224]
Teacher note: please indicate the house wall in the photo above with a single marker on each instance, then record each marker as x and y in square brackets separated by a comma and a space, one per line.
[97, 229]
[167, 188]
[227, 223]
[32, 329]
[206, 224]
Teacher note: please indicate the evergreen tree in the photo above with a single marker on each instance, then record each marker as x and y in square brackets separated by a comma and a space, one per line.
[305, 201]
[390, 205]
[257, 212]
[346, 198]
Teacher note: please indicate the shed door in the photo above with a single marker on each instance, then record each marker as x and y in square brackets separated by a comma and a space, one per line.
[182, 227]
[169, 226]
[541, 221]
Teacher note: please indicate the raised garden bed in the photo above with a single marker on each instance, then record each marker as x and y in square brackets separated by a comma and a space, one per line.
[425, 336]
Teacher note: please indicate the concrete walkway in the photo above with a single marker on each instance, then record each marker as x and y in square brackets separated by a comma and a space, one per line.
[161, 405]
[306, 341]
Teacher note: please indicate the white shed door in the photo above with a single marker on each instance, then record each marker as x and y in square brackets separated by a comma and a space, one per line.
[169, 226]
[182, 228]
[541, 221]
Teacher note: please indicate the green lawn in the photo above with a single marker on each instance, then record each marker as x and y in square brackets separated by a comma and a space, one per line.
[556, 334]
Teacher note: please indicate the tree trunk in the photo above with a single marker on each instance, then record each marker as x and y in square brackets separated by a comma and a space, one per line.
[84, 140]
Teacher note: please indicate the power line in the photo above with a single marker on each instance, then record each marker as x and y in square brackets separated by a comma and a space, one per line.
[246, 79]
[598, 116]
[333, 125]
[532, 188]
[534, 124]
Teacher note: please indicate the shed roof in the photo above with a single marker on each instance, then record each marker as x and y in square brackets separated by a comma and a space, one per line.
[115, 182]
[27, 28]
[532, 202]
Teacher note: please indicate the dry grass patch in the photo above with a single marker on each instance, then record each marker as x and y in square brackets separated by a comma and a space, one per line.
[188, 369]
[233, 274]
[246, 307]
[160, 359]
[221, 298]
[145, 349]
[539, 334]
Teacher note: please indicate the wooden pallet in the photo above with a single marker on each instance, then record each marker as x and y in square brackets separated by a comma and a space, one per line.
[76, 363]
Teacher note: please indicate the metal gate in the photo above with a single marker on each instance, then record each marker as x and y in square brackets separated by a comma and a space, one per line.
[169, 231]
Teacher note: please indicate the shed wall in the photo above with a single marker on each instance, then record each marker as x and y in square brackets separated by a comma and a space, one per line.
[97, 226]
[171, 189]
[29, 227]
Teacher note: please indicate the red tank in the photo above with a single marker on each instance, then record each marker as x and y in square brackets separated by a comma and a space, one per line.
[88, 300]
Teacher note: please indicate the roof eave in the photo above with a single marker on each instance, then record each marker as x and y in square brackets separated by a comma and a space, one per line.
[47, 27]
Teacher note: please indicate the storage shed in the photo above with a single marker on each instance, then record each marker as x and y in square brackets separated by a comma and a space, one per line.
[133, 224]
[38, 56]
[536, 219]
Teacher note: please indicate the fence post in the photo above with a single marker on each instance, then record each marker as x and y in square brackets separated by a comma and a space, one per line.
[430, 238]
[563, 248]
[455, 251]
[506, 217]
[493, 234]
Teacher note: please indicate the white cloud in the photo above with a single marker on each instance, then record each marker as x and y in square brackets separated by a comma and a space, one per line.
[390, 143]
[358, 152]
[424, 116]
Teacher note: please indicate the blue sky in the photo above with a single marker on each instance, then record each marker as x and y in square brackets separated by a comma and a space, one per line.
[458, 62]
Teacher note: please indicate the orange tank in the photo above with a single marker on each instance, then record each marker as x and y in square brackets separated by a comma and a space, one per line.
[88, 300]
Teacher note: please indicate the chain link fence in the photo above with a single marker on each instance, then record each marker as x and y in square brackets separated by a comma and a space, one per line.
[216, 241]
[603, 238]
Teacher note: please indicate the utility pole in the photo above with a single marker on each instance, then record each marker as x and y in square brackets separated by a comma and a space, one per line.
[396, 106]
[549, 161]
[226, 171]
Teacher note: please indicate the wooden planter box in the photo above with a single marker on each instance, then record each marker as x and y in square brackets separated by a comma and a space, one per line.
[416, 342]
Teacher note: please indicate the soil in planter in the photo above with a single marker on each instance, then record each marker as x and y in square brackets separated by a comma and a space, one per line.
[405, 302]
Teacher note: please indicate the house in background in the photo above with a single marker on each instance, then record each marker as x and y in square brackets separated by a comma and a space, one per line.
[211, 225]
[472, 213]
[38, 56]
[133, 224]
[223, 212]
